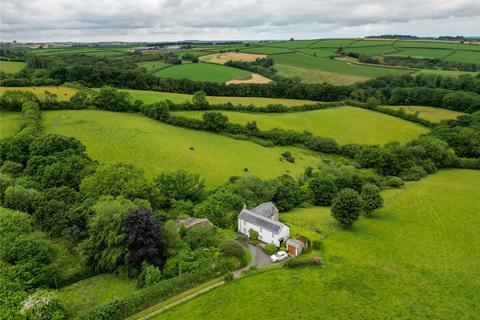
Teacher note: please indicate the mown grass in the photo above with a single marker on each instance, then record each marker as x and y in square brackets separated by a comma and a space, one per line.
[9, 123]
[344, 124]
[11, 66]
[148, 97]
[429, 113]
[417, 259]
[83, 296]
[203, 72]
[157, 147]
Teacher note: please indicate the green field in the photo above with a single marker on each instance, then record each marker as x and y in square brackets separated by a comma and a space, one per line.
[437, 45]
[417, 259]
[330, 67]
[9, 123]
[297, 44]
[265, 50]
[429, 113]
[319, 52]
[203, 72]
[148, 97]
[11, 66]
[344, 124]
[152, 66]
[373, 51]
[84, 295]
[157, 147]
[370, 43]
[332, 43]
[421, 53]
[465, 57]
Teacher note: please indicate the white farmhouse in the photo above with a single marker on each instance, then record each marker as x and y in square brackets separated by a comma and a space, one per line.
[264, 220]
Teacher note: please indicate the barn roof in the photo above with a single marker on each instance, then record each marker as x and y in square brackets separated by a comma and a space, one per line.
[261, 221]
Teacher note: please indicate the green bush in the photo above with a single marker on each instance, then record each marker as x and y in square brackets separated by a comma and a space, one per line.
[393, 182]
[252, 234]
[43, 305]
[413, 174]
[231, 248]
[297, 262]
[317, 244]
[270, 249]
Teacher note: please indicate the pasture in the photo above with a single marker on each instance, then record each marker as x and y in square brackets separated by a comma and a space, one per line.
[148, 97]
[429, 113]
[152, 66]
[464, 56]
[310, 63]
[416, 259]
[9, 123]
[11, 66]
[203, 72]
[157, 147]
[422, 53]
[344, 124]
[63, 93]
[223, 57]
[265, 50]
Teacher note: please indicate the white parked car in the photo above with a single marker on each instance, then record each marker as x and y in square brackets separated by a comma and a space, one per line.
[279, 256]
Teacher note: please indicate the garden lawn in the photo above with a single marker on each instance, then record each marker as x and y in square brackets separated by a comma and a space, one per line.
[203, 72]
[11, 66]
[83, 296]
[157, 147]
[429, 113]
[344, 124]
[9, 123]
[416, 259]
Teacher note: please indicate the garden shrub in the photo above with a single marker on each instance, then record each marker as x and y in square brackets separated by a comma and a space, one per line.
[317, 244]
[228, 277]
[270, 249]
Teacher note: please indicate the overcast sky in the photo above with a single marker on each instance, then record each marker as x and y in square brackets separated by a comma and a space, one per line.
[164, 20]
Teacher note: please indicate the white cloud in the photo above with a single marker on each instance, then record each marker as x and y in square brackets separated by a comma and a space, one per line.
[155, 20]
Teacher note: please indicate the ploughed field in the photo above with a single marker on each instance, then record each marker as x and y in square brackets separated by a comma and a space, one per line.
[416, 259]
[157, 147]
[344, 124]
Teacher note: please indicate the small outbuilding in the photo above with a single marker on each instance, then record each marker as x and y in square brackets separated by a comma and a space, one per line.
[294, 247]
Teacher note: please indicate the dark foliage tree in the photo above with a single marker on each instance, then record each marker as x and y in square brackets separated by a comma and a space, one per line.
[323, 190]
[288, 193]
[146, 240]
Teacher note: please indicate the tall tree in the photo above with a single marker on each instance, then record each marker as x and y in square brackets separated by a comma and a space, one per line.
[347, 207]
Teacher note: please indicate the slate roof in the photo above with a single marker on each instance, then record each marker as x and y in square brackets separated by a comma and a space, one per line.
[266, 209]
[261, 221]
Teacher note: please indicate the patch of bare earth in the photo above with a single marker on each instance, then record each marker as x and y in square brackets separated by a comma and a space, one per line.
[256, 78]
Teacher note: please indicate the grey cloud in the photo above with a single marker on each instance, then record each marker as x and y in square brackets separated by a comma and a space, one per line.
[106, 19]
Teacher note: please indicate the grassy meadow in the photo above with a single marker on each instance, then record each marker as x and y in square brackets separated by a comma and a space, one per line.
[416, 259]
[152, 66]
[344, 124]
[11, 66]
[429, 113]
[203, 72]
[9, 123]
[157, 147]
[293, 64]
[147, 97]
[84, 295]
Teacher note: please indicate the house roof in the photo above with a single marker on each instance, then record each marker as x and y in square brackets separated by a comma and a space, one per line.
[266, 209]
[261, 221]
